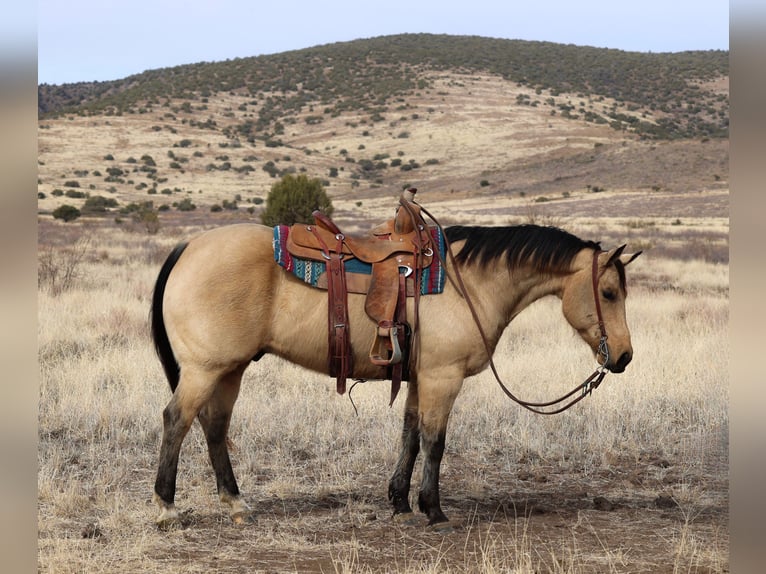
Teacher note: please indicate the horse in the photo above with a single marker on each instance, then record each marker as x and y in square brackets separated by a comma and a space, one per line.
[220, 302]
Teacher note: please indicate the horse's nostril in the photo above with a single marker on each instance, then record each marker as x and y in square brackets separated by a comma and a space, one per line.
[624, 359]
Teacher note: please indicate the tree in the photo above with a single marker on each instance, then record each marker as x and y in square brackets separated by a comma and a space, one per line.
[292, 200]
[66, 212]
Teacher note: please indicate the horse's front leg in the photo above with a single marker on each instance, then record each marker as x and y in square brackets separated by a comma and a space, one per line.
[399, 486]
[436, 399]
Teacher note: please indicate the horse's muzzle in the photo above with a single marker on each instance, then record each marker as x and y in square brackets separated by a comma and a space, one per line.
[619, 365]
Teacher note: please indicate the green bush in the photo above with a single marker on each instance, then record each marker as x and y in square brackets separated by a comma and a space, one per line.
[185, 205]
[98, 204]
[66, 212]
[293, 199]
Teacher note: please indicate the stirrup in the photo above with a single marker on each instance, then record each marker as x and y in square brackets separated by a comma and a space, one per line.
[385, 346]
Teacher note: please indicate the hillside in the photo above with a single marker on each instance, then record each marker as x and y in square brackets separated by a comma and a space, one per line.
[486, 127]
[657, 95]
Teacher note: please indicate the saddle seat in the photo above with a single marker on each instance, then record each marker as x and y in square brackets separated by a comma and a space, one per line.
[397, 250]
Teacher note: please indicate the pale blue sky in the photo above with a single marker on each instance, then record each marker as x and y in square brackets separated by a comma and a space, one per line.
[84, 40]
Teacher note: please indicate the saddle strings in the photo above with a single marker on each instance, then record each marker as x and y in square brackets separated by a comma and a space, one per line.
[586, 387]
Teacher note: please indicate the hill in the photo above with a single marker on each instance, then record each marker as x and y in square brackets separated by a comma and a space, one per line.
[664, 95]
[492, 128]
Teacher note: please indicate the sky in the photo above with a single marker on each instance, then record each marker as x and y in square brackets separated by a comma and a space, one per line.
[99, 40]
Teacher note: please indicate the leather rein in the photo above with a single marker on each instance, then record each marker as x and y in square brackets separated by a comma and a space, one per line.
[584, 388]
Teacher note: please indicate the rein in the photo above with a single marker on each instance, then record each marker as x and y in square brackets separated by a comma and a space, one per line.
[584, 388]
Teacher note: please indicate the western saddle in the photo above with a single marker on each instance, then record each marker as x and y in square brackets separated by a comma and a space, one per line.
[398, 251]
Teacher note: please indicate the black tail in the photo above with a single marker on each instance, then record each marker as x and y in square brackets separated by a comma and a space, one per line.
[159, 334]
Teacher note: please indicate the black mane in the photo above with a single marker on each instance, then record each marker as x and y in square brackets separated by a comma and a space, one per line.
[547, 249]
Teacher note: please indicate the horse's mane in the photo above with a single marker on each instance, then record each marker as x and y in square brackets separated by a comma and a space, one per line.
[546, 249]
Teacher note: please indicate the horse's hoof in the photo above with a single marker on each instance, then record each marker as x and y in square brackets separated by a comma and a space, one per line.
[243, 518]
[168, 519]
[441, 527]
[239, 510]
[169, 516]
[405, 518]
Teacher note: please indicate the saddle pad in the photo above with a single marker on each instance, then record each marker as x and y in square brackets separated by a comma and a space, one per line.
[309, 271]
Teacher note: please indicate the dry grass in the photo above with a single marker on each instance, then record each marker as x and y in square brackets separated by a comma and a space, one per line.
[520, 488]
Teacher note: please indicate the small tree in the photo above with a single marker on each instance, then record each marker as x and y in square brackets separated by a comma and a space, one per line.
[292, 200]
[66, 212]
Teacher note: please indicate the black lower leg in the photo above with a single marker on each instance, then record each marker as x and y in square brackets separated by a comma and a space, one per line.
[173, 434]
[216, 430]
[428, 498]
[399, 486]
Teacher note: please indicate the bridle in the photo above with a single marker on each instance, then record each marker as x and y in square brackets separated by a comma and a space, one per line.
[584, 388]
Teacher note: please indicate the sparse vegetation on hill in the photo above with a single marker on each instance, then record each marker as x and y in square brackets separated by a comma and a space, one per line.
[661, 96]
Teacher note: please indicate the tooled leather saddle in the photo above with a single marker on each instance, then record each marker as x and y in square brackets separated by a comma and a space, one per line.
[398, 250]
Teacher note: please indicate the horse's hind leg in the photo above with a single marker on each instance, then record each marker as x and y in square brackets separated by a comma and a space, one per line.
[215, 417]
[399, 486]
[193, 391]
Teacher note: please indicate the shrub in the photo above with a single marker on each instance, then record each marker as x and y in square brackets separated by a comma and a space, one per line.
[58, 269]
[147, 217]
[185, 205]
[98, 204]
[293, 199]
[66, 212]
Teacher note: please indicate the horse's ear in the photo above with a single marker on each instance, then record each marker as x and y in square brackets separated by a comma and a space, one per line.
[613, 255]
[616, 254]
[628, 257]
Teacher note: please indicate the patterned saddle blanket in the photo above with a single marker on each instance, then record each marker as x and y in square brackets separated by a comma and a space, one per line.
[357, 272]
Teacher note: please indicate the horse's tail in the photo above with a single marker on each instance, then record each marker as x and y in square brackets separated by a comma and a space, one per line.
[159, 333]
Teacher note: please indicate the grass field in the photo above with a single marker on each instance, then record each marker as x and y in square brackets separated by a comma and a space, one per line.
[633, 479]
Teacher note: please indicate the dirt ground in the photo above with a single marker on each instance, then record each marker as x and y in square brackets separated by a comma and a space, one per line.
[551, 520]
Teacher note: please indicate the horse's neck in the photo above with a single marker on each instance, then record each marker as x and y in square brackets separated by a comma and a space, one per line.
[503, 295]
[528, 286]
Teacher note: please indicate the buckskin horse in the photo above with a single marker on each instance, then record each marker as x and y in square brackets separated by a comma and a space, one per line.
[220, 302]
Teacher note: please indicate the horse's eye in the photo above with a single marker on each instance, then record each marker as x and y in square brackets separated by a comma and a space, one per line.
[608, 294]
